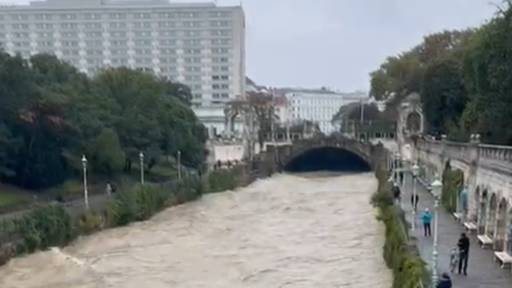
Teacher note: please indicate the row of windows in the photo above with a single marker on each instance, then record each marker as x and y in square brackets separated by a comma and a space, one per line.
[220, 95]
[95, 16]
[98, 34]
[220, 86]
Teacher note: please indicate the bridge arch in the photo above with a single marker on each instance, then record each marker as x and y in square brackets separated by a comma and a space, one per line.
[339, 148]
[327, 157]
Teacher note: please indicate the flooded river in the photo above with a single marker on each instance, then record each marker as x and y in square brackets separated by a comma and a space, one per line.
[312, 230]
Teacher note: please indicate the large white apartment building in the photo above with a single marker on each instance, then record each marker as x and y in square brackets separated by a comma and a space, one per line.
[199, 44]
[318, 106]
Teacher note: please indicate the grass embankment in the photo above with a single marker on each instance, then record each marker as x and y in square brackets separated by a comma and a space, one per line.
[12, 198]
[52, 225]
[400, 254]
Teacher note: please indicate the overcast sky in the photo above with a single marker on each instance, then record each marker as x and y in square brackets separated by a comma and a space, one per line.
[337, 43]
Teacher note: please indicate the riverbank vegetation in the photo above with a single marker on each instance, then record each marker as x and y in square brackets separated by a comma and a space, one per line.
[400, 254]
[463, 78]
[53, 225]
[51, 115]
[225, 179]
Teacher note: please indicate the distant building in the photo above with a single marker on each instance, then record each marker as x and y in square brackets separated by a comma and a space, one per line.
[318, 106]
[199, 44]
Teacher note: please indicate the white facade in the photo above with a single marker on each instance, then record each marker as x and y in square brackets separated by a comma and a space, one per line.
[318, 106]
[199, 44]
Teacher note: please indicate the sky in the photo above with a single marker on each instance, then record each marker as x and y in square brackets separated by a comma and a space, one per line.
[337, 43]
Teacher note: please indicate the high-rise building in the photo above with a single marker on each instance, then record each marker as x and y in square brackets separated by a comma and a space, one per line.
[199, 44]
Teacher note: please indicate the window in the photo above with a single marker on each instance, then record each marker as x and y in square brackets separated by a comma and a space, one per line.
[167, 42]
[192, 33]
[168, 33]
[225, 95]
[225, 86]
[215, 77]
[117, 16]
[198, 95]
[166, 15]
[192, 42]
[224, 77]
[192, 60]
[166, 24]
[215, 95]
[215, 86]
[168, 51]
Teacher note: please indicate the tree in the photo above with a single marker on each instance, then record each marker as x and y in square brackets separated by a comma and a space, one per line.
[488, 79]
[443, 95]
[107, 156]
[51, 114]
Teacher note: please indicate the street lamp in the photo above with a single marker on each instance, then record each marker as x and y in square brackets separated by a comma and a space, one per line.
[86, 193]
[141, 158]
[437, 188]
[415, 172]
[179, 165]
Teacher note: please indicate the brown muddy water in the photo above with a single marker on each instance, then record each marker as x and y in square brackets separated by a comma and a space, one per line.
[309, 230]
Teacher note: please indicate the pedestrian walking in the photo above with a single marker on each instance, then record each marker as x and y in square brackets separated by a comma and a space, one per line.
[414, 201]
[426, 217]
[463, 245]
[108, 189]
[396, 193]
[454, 259]
[445, 281]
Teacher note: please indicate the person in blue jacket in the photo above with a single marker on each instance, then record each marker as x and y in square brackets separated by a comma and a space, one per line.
[426, 218]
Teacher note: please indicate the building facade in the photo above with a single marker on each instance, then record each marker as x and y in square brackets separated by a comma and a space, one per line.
[318, 106]
[199, 44]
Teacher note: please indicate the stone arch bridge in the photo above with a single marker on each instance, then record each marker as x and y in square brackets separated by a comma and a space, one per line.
[280, 155]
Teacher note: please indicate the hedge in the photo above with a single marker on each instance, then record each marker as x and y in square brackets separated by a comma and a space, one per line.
[400, 255]
[224, 179]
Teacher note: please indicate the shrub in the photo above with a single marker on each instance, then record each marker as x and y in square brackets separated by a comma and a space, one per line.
[90, 222]
[188, 189]
[44, 227]
[224, 179]
[123, 208]
[150, 200]
[408, 267]
[452, 185]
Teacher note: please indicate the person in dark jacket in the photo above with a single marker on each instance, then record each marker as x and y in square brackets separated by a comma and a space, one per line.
[463, 245]
[396, 193]
[445, 281]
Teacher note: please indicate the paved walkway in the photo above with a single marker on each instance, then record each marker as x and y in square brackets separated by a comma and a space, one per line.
[483, 272]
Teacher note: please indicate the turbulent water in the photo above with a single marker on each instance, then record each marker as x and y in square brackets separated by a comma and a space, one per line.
[287, 231]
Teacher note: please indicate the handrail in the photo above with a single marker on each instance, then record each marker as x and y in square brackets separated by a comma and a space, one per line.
[492, 146]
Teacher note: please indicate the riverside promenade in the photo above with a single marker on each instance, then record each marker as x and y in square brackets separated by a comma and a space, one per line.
[483, 272]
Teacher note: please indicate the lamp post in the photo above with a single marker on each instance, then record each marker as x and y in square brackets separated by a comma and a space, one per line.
[86, 192]
[141, 158]
[179, 165]
[437, 187]
[397, 166]
[415, 172]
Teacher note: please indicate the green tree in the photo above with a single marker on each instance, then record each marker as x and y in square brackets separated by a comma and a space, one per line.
[107, 157]
[443, 94]
[488, 79]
